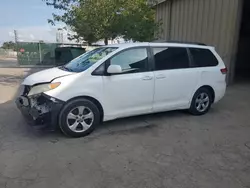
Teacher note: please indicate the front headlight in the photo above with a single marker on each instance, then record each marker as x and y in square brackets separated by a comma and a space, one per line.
[43, 88]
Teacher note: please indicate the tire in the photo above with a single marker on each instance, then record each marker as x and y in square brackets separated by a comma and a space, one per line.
[79, 118]
[201, 96]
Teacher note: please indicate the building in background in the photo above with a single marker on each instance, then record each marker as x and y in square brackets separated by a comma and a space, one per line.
[224, 24]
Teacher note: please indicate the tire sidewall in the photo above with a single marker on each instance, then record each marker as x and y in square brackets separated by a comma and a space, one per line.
[71, 105]
[193, 109]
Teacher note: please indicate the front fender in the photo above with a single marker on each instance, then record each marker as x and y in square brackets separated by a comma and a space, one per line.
[77, 86]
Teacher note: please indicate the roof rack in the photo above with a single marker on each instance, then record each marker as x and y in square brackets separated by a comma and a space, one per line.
[180, 42]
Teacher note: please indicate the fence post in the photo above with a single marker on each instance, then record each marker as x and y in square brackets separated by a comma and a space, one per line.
[17, 51]
[40, 53]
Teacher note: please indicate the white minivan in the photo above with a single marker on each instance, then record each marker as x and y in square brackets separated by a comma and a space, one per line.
[123, 80]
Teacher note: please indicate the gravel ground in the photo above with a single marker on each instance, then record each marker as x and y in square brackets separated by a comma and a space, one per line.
[172, 149]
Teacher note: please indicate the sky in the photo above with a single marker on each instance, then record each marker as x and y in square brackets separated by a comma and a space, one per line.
[29, 18]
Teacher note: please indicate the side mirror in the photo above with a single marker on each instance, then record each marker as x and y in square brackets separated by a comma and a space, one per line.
[114, 69]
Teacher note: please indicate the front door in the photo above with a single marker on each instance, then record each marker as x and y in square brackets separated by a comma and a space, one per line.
[131, 92]
[174, 79]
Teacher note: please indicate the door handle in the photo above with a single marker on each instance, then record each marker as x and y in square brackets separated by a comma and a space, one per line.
[160, 76]
[147, 78]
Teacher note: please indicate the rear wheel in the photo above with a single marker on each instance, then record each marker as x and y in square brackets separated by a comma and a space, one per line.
[79, 118]
[201, 102]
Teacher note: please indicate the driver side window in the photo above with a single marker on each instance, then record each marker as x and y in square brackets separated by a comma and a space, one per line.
[132, 60]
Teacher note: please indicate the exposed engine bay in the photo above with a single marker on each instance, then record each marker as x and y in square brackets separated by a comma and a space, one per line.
[40, 108]
[40, 103]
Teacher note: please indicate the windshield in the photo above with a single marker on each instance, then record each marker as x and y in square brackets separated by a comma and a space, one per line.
[88, 59]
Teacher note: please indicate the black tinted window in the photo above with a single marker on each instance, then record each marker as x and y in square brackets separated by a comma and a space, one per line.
[203, 57]
[132, 60]
[170, 58]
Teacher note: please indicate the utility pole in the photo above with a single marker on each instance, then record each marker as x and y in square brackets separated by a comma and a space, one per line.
[16, 39]
[16, 36]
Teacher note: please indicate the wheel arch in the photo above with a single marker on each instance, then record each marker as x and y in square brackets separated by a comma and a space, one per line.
[92, 99]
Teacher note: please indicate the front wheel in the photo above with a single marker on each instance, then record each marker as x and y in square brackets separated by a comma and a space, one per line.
[201, 102]
[79, 118]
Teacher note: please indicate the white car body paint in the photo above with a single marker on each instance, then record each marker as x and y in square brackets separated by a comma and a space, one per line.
[45, 76]
[136, 93]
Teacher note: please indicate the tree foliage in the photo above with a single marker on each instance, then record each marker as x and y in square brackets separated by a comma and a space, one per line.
[93, 20]
[9, 45]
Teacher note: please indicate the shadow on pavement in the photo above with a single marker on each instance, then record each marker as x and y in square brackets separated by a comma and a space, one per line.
[14, 125]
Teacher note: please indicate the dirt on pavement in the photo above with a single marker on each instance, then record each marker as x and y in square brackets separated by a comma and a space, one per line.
[172, 149]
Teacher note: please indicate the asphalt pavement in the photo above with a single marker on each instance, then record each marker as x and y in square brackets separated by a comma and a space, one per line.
[171, 149]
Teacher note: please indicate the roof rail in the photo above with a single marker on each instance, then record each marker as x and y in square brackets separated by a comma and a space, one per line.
[180, 42]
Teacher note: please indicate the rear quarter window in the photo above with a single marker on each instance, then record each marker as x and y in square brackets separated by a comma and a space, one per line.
[203, 57]
[167, 58]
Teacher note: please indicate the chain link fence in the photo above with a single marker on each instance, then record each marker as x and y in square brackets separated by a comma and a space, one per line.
[46, 54]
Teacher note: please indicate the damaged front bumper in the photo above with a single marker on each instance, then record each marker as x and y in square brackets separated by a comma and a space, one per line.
[40, 109]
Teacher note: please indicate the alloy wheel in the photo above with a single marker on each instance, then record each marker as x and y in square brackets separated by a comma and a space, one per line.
[202, 102]
[80, 119]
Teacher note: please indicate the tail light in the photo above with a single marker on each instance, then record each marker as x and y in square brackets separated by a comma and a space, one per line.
[223, 71]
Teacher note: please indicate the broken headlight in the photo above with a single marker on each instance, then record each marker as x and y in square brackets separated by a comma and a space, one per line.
[43, 88]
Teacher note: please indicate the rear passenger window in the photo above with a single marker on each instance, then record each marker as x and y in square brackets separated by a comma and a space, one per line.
[203, 57]
[170, 58]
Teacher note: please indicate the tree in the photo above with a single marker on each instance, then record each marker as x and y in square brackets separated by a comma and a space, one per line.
[9, 45]
[93, 20]
[139, 21]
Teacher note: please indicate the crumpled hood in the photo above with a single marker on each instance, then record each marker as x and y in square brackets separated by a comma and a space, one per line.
[45, 76]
